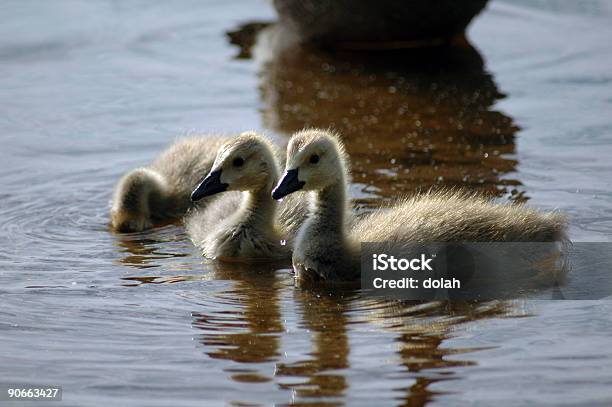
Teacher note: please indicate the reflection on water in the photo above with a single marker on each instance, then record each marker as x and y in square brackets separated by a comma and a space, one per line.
[411, 119]
[421, 330]
[245, 324]
[145, 249]
[320, 375]
[250, 334]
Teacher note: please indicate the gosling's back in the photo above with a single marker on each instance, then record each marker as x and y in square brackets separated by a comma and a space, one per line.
[162, 190]
[459, 217]
[184, 164]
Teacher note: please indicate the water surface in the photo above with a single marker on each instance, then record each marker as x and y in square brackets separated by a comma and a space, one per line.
[93, 89]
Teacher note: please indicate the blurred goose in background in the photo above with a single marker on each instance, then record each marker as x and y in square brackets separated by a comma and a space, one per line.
[252, 227]
[328, 248]
[160, 192]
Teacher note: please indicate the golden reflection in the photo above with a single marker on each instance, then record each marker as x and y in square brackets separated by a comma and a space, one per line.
[146, 249]
[323, 313]
[422, 329]
[412, 119]
[247, 326]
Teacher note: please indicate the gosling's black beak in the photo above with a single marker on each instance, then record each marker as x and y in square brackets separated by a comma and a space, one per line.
[288, 184]
[209, 186]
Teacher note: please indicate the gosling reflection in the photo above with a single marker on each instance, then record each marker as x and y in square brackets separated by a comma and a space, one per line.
[411, 119]
[149, 250]
[422, 354]
[323, 313]
[421, 330]
[247, 326]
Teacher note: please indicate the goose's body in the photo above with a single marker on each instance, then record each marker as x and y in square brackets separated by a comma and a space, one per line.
[328, 243]
[145, 196]
[251, 227]
[454, 216]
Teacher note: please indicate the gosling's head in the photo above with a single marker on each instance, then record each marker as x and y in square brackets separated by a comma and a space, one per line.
[134, 196]
[316, 159]
[246, 163]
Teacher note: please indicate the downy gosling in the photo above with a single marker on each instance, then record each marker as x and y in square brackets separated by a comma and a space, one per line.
[327, 246]
[256, 228]
[161, 191]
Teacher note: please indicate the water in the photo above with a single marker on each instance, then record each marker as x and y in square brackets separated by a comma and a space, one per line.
[92, 89]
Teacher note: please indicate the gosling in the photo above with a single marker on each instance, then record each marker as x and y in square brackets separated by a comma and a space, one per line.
[256, 228]
[327, 247]
[160, 192]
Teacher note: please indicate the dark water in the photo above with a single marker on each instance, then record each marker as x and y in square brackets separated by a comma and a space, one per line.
[89, 90]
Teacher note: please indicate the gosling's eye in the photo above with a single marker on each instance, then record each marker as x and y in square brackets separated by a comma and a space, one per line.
[314, 159]
[238, 162]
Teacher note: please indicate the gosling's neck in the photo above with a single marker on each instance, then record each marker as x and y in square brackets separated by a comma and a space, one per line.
[330, 208]
[258, 210]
